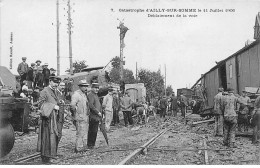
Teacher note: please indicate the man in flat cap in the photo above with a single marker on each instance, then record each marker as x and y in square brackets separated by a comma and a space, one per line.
[95, 114]
[52, 71]
[126, 104]
[49, 133]
[183, 104]
[108, 108]
[39, 78]
[243, 112]
[163, 107]
[38, 65]
[80, 110]
[22, 70]
[229, 106]
[218, 113]
[46, 74]
[30, 76]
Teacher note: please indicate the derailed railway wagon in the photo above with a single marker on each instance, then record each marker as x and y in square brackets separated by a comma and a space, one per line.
[238, 71]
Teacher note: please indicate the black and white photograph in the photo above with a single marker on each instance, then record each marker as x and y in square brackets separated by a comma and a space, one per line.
[127, 82]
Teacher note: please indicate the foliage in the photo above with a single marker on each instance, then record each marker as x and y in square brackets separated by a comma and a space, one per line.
[78, 66]
[115, 74]
[128, 76]
[169, 90]
[153, 82]
[116, 62]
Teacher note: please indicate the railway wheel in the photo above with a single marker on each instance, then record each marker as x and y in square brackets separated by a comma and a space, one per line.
[6, 138]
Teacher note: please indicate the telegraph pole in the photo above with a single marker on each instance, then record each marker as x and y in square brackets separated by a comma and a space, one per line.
[123, 31]
[136, 71]
[165, 77]
[58, 38]
[0, 32]
[70, 43]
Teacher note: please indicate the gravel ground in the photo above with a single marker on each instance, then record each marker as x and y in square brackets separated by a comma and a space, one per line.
[179, 146]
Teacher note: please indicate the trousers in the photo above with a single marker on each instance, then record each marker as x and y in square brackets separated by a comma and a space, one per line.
[163, 112]
[108, 119]
[115, 116]
[230, 124]
[218, 125]
[128, 118]
[81, 135]
[92, 132]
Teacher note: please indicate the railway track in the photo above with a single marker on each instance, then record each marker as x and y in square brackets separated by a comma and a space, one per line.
[137, 151]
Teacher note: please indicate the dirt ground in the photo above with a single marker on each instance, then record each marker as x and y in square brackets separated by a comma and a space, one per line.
[182, 145]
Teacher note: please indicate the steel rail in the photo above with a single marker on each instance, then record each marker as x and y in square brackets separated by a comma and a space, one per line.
[33, 156]
[143, 147]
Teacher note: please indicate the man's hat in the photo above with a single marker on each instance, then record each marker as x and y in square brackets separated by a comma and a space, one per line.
[230, 90]
[220, 89]
[32, 64]
[24, 58]
[95, 85]
[83, 83]
[243, 91]
[110, 89]
[46, 64]
[55, 79]
[38, 61]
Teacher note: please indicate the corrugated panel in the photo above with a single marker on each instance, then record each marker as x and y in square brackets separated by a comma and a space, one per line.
[212, 84]
[244, 78]
[254, 69]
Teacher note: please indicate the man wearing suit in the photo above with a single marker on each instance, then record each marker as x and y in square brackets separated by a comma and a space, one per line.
[49, 132]
[94, 116]
[22, 70]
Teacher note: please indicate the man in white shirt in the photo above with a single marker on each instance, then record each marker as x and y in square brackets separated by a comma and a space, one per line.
[107, 106]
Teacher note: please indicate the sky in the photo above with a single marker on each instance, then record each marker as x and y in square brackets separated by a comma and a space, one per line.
[186, 46]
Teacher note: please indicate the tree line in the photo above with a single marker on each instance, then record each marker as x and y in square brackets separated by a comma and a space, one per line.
[153, 80]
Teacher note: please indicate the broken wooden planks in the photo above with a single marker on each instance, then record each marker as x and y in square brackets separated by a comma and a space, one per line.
[204, 121]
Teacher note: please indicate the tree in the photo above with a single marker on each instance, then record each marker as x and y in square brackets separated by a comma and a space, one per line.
[78, 66]
[153, 82]
[116, 62]
[115, 75]
[169, 90]
[128, 76]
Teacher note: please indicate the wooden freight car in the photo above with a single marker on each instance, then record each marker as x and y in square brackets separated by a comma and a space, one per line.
[238, 71]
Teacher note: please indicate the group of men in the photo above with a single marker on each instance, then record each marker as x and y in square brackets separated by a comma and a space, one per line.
[87, 111]
[36, 77]
[171, 105]
[231, 110]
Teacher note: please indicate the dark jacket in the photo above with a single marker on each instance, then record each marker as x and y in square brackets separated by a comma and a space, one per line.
[163, 103]
[46, 73]
[94, 106]
[116, 103]
[30, 75]
[22, 68]
[39, 80]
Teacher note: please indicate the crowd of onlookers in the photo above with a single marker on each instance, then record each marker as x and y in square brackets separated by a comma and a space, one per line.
[33, 79]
